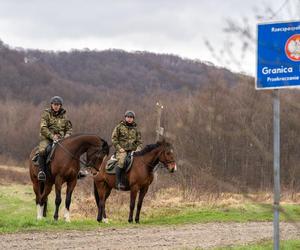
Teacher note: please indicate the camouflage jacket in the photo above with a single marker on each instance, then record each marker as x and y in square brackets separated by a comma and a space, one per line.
[126, 137]
[52, 123]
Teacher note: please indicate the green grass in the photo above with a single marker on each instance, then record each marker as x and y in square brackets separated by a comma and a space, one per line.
[246, 213]
[284, 245]
[18, 213]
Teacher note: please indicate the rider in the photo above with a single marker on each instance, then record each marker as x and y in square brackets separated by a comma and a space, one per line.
[54, 126]
[125, 138]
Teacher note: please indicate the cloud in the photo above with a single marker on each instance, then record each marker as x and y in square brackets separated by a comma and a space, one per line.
[169, 26]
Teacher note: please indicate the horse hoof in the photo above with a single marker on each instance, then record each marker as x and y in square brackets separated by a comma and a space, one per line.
[67, 216]
[137, 221]
[67, 220]
[105, 220]
[130, 221]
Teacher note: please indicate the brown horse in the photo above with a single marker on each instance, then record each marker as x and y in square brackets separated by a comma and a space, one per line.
[64, 168]
[139, 177]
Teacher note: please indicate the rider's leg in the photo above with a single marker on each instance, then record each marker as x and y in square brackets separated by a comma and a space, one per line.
[42, 160]
[42, 166]
[119, 169]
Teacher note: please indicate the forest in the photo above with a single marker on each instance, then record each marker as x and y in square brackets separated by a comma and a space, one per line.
[220, 126]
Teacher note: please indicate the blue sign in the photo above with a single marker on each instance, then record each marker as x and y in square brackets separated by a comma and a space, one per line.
[278, 55]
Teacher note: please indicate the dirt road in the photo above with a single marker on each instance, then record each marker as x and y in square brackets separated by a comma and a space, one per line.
[140, 237]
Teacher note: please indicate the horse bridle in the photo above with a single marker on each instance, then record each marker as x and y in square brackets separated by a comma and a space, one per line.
[87, 165]
[154, 165]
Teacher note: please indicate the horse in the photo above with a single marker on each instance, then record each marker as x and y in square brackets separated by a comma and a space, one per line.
[139, 177]
[64, 167]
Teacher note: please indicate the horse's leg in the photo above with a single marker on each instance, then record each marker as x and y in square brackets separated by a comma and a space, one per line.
[42, 206]
[133, 193]
[101, 191]
[37, 200]
[35, 186]
[105, 220]
[70, 187]
[40, 186]
[45, 208]
[142, 194]
[58, 183]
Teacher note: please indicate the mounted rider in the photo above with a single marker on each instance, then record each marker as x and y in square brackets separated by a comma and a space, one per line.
[53, 127]
[125, 138]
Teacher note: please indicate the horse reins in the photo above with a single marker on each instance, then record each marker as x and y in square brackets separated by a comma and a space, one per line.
[153, 167]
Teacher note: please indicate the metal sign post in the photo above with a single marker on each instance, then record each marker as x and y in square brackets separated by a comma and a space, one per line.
[276, 163]
[278, 66]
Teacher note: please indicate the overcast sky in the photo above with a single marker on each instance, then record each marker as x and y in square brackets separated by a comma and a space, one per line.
[165, 26]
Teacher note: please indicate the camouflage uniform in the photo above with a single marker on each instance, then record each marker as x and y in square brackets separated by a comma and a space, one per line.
[125, 136]
[51, 124]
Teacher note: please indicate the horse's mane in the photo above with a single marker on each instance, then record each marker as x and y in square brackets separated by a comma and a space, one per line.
[148, 148]
[81, 134]
[105, 144]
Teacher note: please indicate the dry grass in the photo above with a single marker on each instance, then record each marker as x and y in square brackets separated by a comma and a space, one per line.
[14, 174]
[159, 196]
[172, 198]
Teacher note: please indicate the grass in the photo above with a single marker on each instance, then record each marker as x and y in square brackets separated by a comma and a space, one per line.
[18, 211]
[284, 245]
[246, 213]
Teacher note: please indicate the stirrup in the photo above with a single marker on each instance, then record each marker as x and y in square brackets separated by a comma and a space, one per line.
[121, 186]
[41, 176]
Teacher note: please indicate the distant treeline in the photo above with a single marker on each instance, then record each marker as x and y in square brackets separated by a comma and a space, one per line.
[222, 130]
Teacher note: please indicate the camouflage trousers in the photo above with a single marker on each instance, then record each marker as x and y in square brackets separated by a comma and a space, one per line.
[43, 145]
[120, 156]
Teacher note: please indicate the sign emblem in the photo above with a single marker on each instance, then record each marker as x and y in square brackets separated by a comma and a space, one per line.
[292, 48]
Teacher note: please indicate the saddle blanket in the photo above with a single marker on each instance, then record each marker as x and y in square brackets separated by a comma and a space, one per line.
[113, 162]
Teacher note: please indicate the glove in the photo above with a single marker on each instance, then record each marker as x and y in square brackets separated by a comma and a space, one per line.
[56, 137]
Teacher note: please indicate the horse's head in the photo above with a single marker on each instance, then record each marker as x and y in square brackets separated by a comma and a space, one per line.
[95, 154]
[167, 156]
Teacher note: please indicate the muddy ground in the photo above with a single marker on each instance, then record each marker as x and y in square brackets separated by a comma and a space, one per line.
[204, 236]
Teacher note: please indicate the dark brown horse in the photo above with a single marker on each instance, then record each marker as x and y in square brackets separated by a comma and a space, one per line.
[139, 177]
[64, 168]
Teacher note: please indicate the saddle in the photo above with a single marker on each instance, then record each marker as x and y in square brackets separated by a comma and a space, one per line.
[49, 154]
[112, 163]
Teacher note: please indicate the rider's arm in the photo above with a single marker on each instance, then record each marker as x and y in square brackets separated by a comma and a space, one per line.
[115, 138]
[139, 140]
[68, 129]
[44, 126]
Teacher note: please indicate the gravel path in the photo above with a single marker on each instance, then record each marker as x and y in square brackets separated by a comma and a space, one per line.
[205, 236]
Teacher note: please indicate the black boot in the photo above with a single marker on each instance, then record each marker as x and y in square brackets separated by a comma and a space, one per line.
[119, 184]
[42, 167]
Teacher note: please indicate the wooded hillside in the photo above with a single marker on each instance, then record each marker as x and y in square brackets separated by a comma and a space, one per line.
[219, 124]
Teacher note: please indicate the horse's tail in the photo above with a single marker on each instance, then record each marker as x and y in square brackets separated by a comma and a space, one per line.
[96, 194]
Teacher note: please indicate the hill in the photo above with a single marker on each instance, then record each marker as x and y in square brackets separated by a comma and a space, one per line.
[32, 75]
